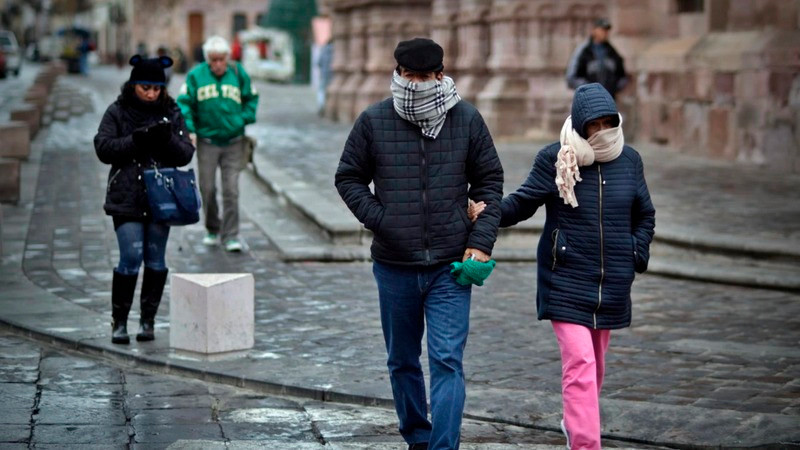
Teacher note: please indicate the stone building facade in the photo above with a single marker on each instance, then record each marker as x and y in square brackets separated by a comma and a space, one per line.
[186, 24]
[716, 78]
[123, 26]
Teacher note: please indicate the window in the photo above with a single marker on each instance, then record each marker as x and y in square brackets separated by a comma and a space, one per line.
[239, 22]
[689, 6]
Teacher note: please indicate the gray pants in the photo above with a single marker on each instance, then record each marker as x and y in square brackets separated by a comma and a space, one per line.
[230, 160]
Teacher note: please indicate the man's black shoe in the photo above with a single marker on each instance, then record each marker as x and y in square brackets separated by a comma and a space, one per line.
[418, 446]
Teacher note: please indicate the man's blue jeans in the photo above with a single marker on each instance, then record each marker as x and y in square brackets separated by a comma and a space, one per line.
[410, 297]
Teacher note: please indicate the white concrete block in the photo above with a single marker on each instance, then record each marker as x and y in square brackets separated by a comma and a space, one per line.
[212, 312]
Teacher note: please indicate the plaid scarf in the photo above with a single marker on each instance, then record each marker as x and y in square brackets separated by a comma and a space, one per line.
[424, 104]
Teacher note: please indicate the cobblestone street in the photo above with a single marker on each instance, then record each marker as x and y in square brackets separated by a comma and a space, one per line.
[60, 399]
[704, 364]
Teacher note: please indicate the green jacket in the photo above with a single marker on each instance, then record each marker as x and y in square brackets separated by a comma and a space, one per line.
[217, 109]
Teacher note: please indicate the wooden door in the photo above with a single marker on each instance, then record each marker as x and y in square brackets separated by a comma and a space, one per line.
[196, 36]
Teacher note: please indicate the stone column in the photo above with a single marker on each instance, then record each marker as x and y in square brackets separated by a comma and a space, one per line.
[388, 22]
[356, 59]
[502, 102]
[555, 29]
[444, 31]
[340, 34]
[473, 47]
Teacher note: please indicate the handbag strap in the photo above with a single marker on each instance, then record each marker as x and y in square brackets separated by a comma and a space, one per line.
[169, 184]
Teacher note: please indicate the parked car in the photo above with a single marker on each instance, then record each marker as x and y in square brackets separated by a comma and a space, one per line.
[2, 64]
[9, 45]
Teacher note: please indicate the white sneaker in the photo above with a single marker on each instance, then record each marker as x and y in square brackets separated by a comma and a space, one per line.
[233, 245]
[566, 435]
[211, 239]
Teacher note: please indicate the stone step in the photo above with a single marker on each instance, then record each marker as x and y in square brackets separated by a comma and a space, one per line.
[307, 224]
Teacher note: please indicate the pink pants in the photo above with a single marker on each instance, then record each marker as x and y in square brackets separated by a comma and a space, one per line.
[583, 353]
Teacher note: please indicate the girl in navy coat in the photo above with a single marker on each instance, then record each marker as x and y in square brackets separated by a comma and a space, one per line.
[600, 222]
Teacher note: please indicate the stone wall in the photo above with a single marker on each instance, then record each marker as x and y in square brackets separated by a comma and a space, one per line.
[166, 23]
[720, 80]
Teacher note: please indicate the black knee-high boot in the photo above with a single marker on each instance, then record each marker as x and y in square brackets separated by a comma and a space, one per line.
[152, 288]
[122, 288]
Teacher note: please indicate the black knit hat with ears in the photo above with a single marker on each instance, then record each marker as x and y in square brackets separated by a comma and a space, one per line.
[149, 70]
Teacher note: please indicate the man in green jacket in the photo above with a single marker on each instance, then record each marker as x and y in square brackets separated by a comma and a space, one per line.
[217, 101]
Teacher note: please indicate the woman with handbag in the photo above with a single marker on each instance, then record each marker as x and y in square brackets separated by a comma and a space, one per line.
[142, 129]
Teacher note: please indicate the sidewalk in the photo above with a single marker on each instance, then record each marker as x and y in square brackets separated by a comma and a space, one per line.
[703, 366]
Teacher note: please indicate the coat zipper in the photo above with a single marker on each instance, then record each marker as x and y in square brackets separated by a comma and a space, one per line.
[111, 180]
[602, 245]
[555, 247]
[424, 169]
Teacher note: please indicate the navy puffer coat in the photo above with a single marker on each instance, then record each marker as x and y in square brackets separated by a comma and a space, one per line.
[418, 212]
[587, 255]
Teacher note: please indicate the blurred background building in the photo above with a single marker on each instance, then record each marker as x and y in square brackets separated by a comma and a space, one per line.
[716, 78]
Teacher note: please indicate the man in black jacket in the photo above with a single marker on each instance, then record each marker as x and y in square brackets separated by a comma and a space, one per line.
[426, 152]
[597, 61]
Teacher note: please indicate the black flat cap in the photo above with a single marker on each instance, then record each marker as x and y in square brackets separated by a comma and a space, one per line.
[419, 55]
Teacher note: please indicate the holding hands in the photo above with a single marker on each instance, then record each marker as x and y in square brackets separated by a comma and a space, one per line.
[475, 209]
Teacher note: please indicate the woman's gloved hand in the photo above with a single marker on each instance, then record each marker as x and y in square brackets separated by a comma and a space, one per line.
[153, 135]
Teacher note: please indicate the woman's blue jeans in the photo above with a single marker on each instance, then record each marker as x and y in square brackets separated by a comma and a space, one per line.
[410, 297]
[141, 242]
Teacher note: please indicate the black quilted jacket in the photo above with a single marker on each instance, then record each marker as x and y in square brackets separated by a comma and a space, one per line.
[125, 192]
[587, 255]
[418, 209]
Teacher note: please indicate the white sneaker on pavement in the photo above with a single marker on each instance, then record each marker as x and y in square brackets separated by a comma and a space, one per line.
[211, 239]
[233, 245]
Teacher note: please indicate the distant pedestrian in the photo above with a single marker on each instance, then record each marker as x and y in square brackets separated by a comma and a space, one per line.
[426, 151]
[324, 63]
[218, 100]
[597, 61]
[142, 128]
[599, 226]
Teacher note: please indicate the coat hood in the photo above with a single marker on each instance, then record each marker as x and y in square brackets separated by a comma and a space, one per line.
[590, 102]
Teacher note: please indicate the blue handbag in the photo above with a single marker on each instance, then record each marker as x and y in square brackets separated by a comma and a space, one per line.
[173, 196]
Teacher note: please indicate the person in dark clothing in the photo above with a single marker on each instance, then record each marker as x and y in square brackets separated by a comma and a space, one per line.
[427, 152]
[597, 61]
[141, 129]
[600, 222]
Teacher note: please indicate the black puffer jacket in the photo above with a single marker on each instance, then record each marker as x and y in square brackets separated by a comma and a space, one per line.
[418, 211]
[125, 193]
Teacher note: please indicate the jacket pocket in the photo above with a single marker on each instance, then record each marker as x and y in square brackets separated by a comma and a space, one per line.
[639, 260]
[560, 248]
[375, 226]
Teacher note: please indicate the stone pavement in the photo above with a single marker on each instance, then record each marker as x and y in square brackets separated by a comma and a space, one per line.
[56, 398]
[704, 365]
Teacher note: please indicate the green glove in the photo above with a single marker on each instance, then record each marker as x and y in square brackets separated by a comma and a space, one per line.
[472, 271]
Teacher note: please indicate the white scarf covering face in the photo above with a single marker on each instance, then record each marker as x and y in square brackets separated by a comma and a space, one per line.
[424, 104]
[603, 146]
